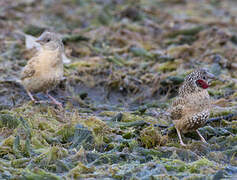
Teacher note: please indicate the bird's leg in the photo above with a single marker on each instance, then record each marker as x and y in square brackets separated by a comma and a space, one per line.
[54, 100]
[180, 138]
[31, 97]
[202, 138]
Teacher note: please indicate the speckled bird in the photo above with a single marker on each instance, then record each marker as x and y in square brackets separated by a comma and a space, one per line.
[45, 70]
[191, 109]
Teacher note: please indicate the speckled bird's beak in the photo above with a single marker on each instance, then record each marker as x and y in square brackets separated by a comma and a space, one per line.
[211, 76]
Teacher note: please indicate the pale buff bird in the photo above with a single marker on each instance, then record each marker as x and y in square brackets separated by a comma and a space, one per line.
[45, 70]
[191, 109]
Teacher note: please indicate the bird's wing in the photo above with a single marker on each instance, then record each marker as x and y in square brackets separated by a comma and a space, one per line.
[179, 101]
[176, 112]
[29, 69]
[177, 108]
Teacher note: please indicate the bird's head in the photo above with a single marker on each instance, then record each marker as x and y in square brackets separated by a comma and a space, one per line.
[196, 81]
[200, 78]
[50, 41]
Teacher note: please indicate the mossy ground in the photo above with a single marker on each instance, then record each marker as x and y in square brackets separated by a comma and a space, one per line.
[128, 59]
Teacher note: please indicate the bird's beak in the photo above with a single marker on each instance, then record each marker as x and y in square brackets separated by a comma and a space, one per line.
[211, 76]
[39, 40]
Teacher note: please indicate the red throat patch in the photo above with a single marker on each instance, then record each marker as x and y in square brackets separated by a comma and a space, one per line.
[202, 83]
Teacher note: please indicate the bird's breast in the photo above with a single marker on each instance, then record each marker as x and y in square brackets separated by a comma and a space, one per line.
[50, 64]
[198, 101]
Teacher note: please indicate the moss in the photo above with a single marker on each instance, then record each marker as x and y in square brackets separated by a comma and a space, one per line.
[176, 165]
[188, 31]
[196, 166]
[45, 126]
[202, 166]
[56, 152]
[108, 113]
[132, 124]
[38, 142]
[116, 60]
[133, 144]
[217, 156]
[128, 117]
[80, 169]
[220, 113]
[20, 163]
[33, 30]
[234, 95]
[86, 65]
[83, 137]
[9, 121]
[151, 138]
[215, 83]
[109, 147]
[66, 132]
[128, 135]
[139, 51]
[171, 80]
[74, 38]
[50, 155]
[168, 66]
[98, 127]
[16, 148]
[128, 59]
[108, 139]
[233, 159]
[38, 174]
[215, 92]
[6, 145]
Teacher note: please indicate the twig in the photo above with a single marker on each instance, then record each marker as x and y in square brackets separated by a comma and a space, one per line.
[228, 117]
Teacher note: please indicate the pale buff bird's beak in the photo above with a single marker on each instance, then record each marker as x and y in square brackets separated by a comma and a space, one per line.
[39, 40]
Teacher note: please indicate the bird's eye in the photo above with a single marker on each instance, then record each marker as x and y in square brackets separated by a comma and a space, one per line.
[47, 40]
[204, 77]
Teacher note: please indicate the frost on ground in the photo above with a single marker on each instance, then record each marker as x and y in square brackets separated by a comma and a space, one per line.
[126, 62]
